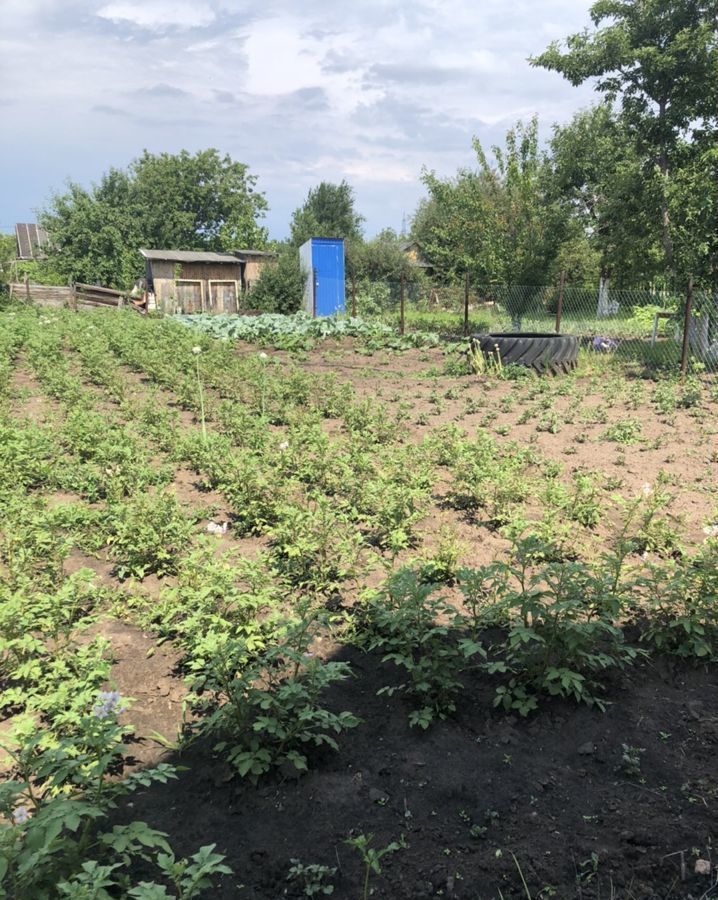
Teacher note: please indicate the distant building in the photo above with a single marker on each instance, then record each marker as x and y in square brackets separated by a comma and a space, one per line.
[411, 250]
[31, 241]
[190, 281]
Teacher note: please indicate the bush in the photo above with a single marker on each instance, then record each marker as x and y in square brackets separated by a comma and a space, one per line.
[280, 287]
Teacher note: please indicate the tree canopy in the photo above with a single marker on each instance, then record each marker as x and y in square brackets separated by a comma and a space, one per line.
[201, 201]
[328, 212]
[658, 60]
[494, 221]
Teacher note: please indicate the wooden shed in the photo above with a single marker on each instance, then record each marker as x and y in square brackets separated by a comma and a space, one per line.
[254, 261]
[190, 281]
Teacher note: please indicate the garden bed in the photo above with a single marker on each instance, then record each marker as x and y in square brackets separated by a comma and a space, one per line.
[178, 497]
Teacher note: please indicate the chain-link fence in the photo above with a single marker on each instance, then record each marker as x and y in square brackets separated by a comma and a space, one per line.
[643, 325]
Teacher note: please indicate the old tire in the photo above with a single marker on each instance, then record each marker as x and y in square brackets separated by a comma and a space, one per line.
[555, 354]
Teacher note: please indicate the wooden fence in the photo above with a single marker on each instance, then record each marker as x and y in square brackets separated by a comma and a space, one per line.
[75, 296]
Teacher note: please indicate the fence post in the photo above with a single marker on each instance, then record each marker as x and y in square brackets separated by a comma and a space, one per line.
[27, 289]
[73, 296]
[354, 296]
[559, 305]
[314, 293]
[401, 305]
[466, 305]
[686, 326]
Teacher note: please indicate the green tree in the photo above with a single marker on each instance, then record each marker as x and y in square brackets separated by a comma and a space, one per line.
[201, 201]
[328, 212]
[596, 173]
[495, 221]
[693, 204]
[660, 58]
[383, 259]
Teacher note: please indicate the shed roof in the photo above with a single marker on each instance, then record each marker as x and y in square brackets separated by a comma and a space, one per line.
[31, 238]
[243, 253]
[189, 256]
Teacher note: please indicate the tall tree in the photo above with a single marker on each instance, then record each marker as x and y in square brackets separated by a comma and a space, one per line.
[493, 221]
[328, 212]
[201, 201]
[597, 174]
[660, 58]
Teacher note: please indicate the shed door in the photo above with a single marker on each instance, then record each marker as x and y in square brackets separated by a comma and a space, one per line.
[188, 296]
[223, 296]
[328, 259]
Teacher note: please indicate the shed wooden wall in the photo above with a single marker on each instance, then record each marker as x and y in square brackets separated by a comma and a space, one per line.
[164, 272]
[253, 268]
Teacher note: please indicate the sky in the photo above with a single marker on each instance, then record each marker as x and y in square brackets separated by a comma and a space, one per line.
[368, 91]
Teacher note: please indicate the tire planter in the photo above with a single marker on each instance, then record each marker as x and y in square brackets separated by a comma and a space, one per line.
[554, 354]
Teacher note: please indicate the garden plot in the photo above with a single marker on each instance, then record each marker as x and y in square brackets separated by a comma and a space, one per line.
[349, 620]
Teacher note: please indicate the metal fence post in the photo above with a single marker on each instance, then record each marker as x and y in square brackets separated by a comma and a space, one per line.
[314, 292]
[559, 305]
[466, 305]
[686, 326]
[401, 305]
[354, 296]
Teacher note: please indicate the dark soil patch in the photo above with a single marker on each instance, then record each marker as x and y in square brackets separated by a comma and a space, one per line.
[548, 790]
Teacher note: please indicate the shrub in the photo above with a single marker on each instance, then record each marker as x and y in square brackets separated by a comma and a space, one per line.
[280, 287]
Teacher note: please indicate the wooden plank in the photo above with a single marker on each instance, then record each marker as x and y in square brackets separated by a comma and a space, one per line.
[97, 289]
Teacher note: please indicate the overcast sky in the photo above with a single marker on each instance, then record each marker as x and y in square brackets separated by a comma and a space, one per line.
[301, 91]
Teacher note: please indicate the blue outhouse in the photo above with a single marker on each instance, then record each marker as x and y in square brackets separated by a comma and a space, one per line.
[322, 261]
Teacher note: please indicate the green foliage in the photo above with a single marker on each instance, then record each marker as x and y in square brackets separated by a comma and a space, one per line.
[411, 626]
[491, 478]
[681, 613]
[52, 812]
[493, 222]
[292, 332]
[328, 212]
[201, 201]
[372, 856]
[150, 532]
[659, 58]
[625, 431]
[266, 704]
[312, 878]
[561, 638]
[315, 548]
[280, 286]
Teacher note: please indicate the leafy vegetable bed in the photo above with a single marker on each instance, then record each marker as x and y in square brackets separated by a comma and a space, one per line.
[289, 332]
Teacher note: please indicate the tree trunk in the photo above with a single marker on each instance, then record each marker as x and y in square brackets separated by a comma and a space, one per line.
[604, 298]
[666, 239]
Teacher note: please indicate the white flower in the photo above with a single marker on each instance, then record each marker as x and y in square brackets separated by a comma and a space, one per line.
[263, 355]
[217, 528]
[21, 816]
[196, 350]
[711, 530]
[647, 490]
[284, 445]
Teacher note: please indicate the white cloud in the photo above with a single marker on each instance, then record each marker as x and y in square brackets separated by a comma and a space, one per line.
[369, 91]
[159, 14]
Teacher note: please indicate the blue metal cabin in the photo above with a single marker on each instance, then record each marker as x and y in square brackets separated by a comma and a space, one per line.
[322, 261]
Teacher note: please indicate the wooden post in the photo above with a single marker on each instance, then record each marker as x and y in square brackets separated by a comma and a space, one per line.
[354, 296]
[73, 296]
[401, 306]
[559, 305]
[466, 305]
[686, 326]
[27, 289]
